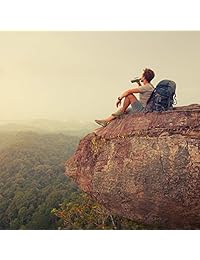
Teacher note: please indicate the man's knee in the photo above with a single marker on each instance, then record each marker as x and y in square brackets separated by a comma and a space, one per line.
[132, 97]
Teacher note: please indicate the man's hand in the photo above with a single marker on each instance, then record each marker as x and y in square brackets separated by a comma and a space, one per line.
[118, 101]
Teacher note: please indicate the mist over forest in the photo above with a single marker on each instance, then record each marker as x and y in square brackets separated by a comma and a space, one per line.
[34, 192]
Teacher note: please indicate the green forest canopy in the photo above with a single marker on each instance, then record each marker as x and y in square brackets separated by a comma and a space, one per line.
[35, 193]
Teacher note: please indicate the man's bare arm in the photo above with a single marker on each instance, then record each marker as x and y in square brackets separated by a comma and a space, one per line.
[130, 91]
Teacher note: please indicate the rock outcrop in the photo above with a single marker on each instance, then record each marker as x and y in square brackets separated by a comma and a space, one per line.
[145, 167]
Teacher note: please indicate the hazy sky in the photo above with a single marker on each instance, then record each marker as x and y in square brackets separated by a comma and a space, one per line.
[79, 75]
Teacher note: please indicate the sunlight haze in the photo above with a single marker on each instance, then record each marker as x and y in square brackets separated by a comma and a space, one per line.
[79, 75]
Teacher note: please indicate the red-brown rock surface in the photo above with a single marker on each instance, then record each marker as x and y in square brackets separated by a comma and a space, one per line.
[145, 167]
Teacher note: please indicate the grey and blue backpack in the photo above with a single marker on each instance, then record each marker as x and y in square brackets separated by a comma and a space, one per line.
[163, 97]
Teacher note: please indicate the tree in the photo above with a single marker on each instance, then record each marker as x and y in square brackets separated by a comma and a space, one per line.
[81, 212]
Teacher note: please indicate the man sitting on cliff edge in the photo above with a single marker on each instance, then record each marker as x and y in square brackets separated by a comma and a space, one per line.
[145, 89]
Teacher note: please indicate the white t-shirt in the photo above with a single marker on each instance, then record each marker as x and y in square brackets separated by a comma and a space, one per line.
[145, 94]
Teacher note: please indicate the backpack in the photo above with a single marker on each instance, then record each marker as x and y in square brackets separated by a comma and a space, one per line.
[163, 97]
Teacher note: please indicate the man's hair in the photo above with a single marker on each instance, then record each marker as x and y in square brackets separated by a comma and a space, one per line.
[148, 74]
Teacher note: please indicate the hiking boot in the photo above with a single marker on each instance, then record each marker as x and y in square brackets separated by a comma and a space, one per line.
[101, 122]
[118, 113]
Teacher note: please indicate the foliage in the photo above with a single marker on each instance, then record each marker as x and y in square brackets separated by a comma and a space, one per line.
[32, 179]
[81, 212]
[32, 183]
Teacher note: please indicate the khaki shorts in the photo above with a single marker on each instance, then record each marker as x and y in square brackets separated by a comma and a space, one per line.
[135, 107]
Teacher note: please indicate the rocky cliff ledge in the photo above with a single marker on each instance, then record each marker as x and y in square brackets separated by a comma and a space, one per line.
[145, 167]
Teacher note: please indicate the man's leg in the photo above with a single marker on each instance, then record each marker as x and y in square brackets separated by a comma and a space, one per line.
[127, 101]
[104, 122]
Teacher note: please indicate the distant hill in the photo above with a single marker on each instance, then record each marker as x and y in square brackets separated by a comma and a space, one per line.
[75, 128]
